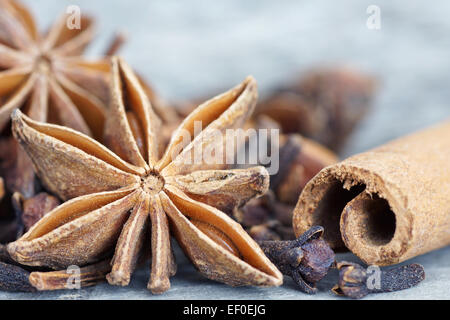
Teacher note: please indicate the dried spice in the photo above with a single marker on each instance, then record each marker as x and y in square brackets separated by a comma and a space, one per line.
[33, 209]
[109, 185]
[386, 205]
[355, 282]
[265, 218]
[64, 279]
[236, 187]
[116, 43]
[324, 105]
[306, 260]
[271, 230]
[300, 160]
[47, 78]
[265, 232]
[20, 214]
[13, 278]
[270, 217]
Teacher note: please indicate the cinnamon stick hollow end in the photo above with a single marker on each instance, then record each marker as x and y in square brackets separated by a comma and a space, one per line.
[386, 205]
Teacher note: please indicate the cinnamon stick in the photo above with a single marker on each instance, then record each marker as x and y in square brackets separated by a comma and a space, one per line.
[386, 205]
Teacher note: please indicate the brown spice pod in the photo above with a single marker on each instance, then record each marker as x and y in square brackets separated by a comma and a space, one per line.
[394, 199]
[305, 159]
[325, 104]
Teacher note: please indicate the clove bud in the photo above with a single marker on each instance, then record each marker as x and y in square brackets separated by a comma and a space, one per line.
[306, 260]
[33, 209]
[300, 159]
[265, 218]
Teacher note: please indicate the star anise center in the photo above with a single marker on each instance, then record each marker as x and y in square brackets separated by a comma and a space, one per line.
[43, 62]
[153, 183]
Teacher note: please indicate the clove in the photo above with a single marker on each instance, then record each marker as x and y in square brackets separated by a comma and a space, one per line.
[265, 218]
[34, 208]
[306, 260]
[356, 282]
[14, 278]
[271, 230]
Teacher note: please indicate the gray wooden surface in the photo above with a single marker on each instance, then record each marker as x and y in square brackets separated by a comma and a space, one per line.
[191, 48]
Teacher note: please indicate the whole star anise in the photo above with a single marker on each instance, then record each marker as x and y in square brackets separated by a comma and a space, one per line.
[46, 77]
[171, 191]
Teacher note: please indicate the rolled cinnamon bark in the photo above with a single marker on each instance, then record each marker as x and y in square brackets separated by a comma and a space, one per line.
[386, 205]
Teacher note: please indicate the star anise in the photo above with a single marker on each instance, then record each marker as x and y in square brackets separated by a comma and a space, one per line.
[160, 191]
[45, 76]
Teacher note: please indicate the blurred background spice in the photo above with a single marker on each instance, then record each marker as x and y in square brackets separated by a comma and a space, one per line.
[191, 50]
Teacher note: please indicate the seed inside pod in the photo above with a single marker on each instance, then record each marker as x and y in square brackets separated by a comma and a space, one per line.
[137, 131]
[217, 236]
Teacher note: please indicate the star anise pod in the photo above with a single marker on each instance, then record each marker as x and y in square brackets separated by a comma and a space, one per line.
[156, 190]
[46, 77]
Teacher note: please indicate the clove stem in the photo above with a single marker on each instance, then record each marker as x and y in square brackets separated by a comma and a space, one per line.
[356, 282]
[14, 278]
